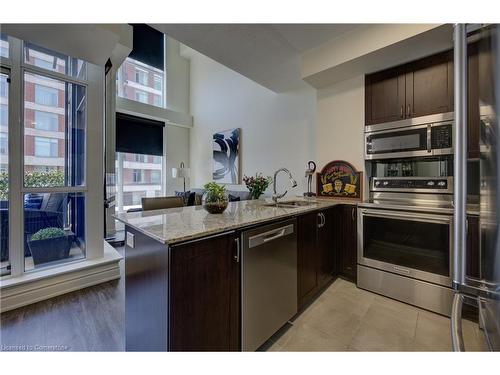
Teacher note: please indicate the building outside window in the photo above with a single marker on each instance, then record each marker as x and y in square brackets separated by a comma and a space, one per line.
[133, 78]
[4, 113]
[46, 121]
[134, 182]
[46, 96]
[4, 46]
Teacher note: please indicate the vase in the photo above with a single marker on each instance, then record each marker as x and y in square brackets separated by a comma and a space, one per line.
[214, 203]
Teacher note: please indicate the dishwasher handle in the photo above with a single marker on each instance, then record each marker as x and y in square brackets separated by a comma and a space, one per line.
[269, 236]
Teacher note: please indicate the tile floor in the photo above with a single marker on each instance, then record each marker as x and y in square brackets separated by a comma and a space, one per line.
[345, 318]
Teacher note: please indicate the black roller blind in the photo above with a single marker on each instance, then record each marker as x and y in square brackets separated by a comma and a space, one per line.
[138, 135]
[148, 46]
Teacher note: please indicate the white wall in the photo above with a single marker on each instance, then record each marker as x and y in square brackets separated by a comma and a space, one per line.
[340, 123]
[278, 130]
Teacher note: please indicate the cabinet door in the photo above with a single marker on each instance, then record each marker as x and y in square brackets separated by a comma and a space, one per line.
[307, 258]
[349, 242]
[326, 248]
[384, 96]
[429, 85]
[205, 298]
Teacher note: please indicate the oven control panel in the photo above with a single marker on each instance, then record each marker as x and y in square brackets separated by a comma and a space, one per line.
[437, 184]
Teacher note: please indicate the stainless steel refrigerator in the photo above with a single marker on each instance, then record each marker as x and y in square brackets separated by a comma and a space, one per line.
[482, 290]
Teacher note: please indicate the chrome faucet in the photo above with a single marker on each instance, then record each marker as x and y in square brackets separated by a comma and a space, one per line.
[277, 196]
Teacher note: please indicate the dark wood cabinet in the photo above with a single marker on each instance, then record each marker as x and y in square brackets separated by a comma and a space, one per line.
[315, 254]
[429, 85]
[347, 254]
[423, 87]
[204, 295]
[385, 96]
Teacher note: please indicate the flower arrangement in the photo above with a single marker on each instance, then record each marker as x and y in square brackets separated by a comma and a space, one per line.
[257, 184]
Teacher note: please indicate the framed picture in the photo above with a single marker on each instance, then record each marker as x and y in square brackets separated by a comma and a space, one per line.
[339, 179]
[226, 157]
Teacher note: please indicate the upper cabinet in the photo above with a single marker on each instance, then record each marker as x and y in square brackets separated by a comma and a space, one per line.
[423, 87]
[385, 96]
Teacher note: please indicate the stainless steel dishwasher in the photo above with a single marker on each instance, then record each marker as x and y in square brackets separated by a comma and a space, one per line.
[269, 281]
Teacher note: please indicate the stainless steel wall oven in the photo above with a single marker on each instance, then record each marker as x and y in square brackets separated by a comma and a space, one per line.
[413, 244]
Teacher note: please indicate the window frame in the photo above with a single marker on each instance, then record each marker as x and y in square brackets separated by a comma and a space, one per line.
[92, 187]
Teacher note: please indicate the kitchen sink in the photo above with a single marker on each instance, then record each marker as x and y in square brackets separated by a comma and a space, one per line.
[290, 204]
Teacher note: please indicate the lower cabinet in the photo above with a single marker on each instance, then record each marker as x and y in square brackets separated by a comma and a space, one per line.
[315, 252]
[205, 295]
[347, 235]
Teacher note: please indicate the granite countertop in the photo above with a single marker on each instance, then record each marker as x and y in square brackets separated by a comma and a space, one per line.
[185, 223]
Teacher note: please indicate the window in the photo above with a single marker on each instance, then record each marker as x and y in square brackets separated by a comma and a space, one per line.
[46, 121]
[46, 95]
[141, 76]
[158, 82]
[141, 96]
[133, 76]
[4, 46]
[134, 183]
[56, 62]
[137, 175]
[64, 152]
[46, 147]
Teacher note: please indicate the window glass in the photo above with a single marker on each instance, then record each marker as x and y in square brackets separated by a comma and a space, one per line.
[4, 46]
[4, 177]
[140, 82]
[53, 61]
[59, 150]
[137, 176]
[54, 229]
[46, 121]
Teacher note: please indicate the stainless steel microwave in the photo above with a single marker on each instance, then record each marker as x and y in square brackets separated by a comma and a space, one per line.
[410, 141]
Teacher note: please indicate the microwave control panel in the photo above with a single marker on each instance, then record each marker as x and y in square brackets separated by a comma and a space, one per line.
[412, 184]
[441, 136]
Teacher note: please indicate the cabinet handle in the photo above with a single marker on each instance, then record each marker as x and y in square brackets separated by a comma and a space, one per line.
[408, 111]
[237, 255]
[352, 214]
[321, 220]
[401, 112]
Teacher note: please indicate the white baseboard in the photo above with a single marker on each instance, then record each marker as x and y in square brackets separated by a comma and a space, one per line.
[94, 272]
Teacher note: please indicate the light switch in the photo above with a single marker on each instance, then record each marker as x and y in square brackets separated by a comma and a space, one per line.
[130, 240]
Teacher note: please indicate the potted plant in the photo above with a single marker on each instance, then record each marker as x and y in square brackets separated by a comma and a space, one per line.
[257, 184]
[50, 244]
[215, 198]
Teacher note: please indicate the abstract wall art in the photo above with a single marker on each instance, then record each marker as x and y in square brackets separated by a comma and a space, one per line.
[226, 157]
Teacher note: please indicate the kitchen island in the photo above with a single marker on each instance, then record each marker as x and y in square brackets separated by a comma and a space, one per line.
[183, 269]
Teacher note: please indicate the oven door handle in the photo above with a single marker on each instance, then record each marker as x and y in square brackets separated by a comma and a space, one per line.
[402, 216]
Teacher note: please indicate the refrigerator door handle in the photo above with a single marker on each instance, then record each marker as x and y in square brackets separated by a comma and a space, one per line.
[457, 339]
[460, 168]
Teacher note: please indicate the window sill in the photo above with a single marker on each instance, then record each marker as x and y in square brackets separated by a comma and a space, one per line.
[37, 286]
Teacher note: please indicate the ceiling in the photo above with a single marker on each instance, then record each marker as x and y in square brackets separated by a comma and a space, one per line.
[268, 54]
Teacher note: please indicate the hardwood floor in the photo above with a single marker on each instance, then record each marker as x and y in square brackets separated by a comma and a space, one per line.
[90, 319]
